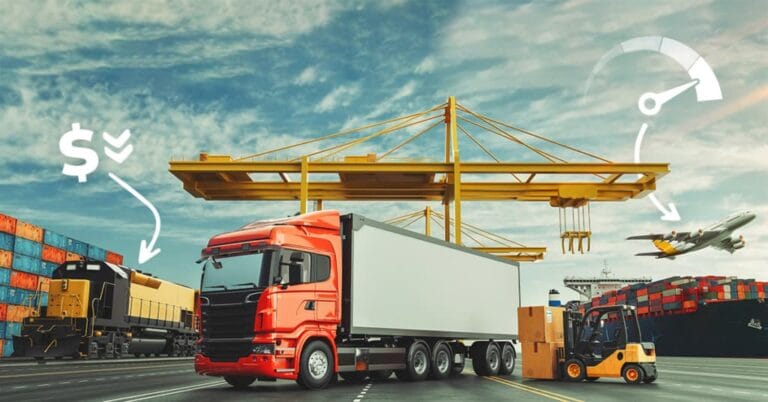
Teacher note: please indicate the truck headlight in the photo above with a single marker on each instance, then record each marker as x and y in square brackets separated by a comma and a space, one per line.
[263, 349]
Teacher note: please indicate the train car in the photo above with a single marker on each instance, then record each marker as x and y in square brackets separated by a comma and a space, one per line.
[103, 310]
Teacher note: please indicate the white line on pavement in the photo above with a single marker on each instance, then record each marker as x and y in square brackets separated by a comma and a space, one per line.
[165, 392]
[700, 374]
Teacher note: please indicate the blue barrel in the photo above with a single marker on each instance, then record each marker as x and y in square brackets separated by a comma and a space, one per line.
[96, 253]
[6, 241]
[77, 247]
[554, 298]
[26, 264]
[28, 247]
[5, 276]
[54, 239]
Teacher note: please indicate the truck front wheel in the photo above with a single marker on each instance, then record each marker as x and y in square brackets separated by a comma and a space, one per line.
[417, 363]
[239, 382]
[316, 366]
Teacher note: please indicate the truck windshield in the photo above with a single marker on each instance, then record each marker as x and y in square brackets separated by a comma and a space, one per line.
[237, 272]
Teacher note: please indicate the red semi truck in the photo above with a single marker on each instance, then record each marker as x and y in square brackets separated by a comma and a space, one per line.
[306, 297]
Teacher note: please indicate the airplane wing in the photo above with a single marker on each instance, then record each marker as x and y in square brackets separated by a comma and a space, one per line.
[729, 245]
[647, 237]
[697, 237]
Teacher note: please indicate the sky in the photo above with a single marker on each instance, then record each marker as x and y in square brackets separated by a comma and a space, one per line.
[238, 78]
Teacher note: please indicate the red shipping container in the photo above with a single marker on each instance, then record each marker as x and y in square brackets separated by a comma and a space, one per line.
[114, 258]
[689, 304]
[7, 224]
[643, 310]
[53, 254]
[642, 292]
[3, 312]
[6, 259]
[654, 296]
[73, 257]
[29, 231]
[23, 280]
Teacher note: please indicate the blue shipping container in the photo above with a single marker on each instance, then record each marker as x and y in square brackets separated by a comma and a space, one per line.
[2, 331]
[3, 294]
[77, 247]
[6, 241]
[96, 253]
[44, 299]
[11, 329]
[19, 297]
[7, 349]
[5, 276]
[47, 268]
[26, 264]
[54, 239]
[28, 247]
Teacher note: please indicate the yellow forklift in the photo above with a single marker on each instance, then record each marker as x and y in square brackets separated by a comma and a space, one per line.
[606, 342]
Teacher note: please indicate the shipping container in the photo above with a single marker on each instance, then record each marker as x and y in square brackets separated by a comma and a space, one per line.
[47, 268]
[44, 284]
[77, 247]
[97, 253]
[26, 264]
[7, 224]
[19, 297]
[114, 258]
[23, 280]
[28, 248]
[7, 349]
[18, 313]
[5, 276]
[3, 312]
[53, 254]
[6, 259]
[11, 329]
[2, 342]
[73, 256]
[55, 240]
[6, 241]
[2, 334]
[44, 299]
[29, 231]
[4, 294]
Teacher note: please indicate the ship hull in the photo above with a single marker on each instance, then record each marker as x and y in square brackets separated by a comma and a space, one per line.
[737, 328]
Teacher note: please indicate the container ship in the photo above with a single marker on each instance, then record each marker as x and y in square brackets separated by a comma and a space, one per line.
[698, 316]
[28, 256]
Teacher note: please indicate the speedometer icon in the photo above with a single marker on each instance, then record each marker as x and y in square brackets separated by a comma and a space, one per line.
[703, 79]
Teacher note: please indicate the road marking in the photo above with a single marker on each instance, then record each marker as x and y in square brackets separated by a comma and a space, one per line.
[157, 394]
[93, 371]
[700, 374]
[538, 391]
[19, 387]
[362, 393]
[43, 385]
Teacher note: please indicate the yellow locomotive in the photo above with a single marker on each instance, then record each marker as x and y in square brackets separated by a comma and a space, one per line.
[100, 309]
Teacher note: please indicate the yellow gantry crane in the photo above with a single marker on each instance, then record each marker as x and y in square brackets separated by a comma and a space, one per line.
[315, 173]
[483, 240]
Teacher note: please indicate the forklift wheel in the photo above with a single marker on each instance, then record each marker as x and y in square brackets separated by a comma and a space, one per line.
[574, 370]
[633, 374]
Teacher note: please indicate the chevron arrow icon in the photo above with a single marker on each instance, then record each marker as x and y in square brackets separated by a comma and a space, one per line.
[122, 151]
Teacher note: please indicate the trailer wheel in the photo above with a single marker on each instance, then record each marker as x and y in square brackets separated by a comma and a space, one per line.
[486, 358]
[417, 363]
[633, 374]
[507, 359]
[441, 362]
[574, 370]
[316, 366]
[239, 382]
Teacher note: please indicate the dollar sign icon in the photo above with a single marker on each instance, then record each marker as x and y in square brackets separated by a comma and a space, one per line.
[68, 149]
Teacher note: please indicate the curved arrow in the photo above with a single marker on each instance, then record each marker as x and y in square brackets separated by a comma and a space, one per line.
[666, 215]
[146, 252]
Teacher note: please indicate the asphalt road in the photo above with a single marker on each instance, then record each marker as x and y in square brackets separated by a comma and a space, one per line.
[680, 379]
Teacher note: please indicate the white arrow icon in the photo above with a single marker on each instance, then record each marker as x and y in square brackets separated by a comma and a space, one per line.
[666, 215]
[121, 155]
[146, 252]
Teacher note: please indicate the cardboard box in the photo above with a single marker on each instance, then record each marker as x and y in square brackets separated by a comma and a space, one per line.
[540, 324]
[540, 360]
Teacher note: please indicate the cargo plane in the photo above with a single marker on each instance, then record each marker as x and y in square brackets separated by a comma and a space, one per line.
[718, 235]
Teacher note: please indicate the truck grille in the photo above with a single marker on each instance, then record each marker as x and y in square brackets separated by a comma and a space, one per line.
[227, 325]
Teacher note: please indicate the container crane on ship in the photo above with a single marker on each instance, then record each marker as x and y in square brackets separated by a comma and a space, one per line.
[324, 175]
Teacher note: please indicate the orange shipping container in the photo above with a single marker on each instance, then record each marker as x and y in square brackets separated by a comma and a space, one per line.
[44, 284]
[53, 254]
[73, 257]
[7, 224]
[6, 259]
[688, 304]
[18, 313]
[114, 258]
[23, 280]
[1, 347]
[3, 312]
[29, 231]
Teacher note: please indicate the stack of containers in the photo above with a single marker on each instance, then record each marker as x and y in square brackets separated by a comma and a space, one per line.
[28, 256]
[541, 335]
[680, 295]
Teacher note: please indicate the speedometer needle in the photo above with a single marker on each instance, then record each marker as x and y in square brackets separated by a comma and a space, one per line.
[661, 98]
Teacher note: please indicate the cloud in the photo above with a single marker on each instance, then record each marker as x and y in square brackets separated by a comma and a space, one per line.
[307, 76]
[341, 96]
